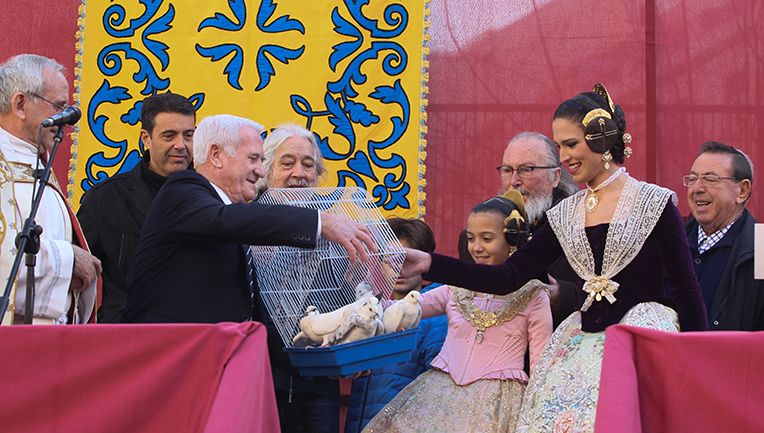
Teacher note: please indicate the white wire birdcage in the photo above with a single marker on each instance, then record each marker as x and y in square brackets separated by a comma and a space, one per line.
[291, 279]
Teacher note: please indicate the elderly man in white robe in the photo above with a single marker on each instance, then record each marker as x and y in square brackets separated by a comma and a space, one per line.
[33, 88]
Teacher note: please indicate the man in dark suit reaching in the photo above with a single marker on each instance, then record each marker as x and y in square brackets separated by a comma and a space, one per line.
[191, 263]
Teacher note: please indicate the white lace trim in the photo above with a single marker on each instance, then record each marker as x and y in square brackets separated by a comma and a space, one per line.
[638, 210]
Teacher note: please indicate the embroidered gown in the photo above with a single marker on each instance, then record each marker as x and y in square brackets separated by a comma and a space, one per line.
[477, 381]
[643, 251]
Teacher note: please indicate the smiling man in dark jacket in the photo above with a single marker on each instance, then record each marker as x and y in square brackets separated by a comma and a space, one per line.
[720, 235]
[112, 212]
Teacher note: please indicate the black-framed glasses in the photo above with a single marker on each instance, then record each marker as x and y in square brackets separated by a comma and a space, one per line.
[709, 179]
[59, 107]
[523, 170]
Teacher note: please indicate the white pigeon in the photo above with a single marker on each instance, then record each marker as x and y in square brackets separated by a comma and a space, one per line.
[404, 314]
[362, 290]
[361, 324]
[321, 328]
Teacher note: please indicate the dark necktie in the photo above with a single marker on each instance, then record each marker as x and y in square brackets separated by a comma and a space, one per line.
[251, 275]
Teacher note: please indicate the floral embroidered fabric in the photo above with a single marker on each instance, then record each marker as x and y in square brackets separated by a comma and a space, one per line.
[564, 386]
[433, 402]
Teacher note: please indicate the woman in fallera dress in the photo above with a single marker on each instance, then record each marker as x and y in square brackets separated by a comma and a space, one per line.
[477, 380]
[626, 241]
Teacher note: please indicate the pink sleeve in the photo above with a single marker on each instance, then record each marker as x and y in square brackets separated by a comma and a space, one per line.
[434, 302]
[539, 325]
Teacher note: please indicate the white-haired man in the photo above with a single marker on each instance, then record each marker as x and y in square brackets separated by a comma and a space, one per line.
[191, 263]
[292, 159]
[33, 88]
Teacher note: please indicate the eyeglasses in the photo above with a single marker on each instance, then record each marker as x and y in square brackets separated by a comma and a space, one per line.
[524, 171]
[706, 179]
[59, 107]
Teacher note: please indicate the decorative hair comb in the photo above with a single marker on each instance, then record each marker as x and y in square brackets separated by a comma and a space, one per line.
[600, 89]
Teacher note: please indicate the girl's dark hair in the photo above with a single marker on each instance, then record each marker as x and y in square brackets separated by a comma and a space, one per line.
[601, 134]
[515, 230]
[415, 232]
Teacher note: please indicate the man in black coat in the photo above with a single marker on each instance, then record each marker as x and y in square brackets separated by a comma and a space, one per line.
[191, 263]
[720, 236]
[112, 212]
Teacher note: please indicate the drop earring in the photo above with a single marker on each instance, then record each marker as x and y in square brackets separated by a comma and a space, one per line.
[607, 157]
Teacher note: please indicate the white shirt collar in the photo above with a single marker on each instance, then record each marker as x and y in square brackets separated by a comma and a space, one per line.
[223, 195]
[19, 146]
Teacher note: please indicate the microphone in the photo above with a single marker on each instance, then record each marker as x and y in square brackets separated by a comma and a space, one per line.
[68, 116]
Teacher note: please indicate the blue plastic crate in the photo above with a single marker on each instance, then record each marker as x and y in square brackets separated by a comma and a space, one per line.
[349, 358]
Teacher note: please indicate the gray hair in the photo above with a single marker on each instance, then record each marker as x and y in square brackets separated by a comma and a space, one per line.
[567, 185]
[276, 138]
[223, 130]
[24, 74]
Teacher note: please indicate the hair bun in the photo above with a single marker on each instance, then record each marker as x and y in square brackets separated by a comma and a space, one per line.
[515, 225]
[601, 133]
[516, 198]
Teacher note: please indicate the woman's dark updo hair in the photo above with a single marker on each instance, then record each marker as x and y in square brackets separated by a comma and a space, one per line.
[601, 134]
[515, 229]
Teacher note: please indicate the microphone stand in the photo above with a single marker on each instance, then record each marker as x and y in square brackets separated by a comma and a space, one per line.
[28, 239]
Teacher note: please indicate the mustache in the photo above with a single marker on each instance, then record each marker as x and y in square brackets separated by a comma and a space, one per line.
[300, 183]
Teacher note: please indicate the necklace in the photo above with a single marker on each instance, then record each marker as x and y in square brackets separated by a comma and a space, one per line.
[482, 319]
[592, 201]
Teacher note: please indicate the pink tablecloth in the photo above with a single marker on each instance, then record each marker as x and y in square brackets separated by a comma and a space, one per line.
[136, 378]
[699, 382]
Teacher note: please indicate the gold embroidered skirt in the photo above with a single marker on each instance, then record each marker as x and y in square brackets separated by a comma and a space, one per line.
[563, 388]
[434, 403]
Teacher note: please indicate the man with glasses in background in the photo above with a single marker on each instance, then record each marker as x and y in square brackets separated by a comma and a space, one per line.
[33, 88]
[531, 165]
[720, 236]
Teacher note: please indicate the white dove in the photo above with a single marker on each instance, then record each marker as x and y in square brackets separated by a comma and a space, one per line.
[320, 328]
[404, 314]
[363, 291]
[361, 324]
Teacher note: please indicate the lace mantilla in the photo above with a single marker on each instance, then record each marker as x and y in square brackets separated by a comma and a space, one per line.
[483, 320]
[638, 210]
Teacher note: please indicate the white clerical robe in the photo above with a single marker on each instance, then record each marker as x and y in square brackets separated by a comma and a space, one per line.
[55, 260]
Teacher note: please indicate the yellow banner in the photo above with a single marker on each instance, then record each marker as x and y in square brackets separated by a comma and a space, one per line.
[352, 72]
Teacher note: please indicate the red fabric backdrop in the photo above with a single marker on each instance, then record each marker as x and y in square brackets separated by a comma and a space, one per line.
[684, 71]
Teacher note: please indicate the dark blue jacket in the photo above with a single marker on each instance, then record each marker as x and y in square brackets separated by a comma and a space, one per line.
[736, 300]
[370, 394]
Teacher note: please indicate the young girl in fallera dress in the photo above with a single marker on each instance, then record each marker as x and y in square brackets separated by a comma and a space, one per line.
[626, 241]
[478, 381]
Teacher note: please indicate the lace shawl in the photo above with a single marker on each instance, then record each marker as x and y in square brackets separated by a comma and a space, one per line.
[638, 210]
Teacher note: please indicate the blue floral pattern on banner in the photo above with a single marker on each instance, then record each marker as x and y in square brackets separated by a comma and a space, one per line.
[366, 46]
[346, 114]
[110, 64]
[235, 65]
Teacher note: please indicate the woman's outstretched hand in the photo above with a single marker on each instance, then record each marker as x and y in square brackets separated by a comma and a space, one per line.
[416, 263]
